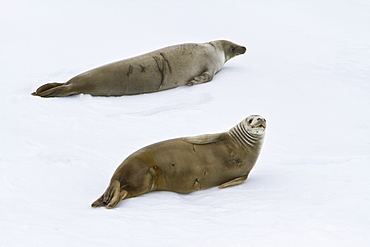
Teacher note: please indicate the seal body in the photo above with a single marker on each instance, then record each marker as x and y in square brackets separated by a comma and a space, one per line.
[187, 164]
[170, 67]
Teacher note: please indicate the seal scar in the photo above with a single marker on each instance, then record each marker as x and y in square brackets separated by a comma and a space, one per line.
[153, 186]
[130, 70]
[142, 68]
[160, 69]
[168, 64]
[212, 45]
[196, 183]
[152, 170]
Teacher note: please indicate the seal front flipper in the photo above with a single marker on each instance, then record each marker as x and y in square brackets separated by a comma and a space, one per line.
[204, 139]
[204, 77]
[235, 181]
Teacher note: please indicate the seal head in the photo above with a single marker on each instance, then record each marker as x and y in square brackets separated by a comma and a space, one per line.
[255, 125]
[230, 49]
[249, 132]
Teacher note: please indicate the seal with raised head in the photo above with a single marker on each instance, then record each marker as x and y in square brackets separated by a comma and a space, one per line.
[169, 67]
[187, 164]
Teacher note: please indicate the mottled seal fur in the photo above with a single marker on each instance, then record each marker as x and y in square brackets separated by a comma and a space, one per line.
[170, 67]
[187, 164]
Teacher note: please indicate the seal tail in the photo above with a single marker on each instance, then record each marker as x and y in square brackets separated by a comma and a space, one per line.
[112, 196]
[53, 90]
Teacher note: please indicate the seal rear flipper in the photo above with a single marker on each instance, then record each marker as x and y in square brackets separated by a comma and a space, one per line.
[112, 196]
[235, 181]
[53, 90]
[204, 139]
[117, 197]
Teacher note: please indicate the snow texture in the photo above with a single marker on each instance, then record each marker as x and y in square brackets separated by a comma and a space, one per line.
[307, 71]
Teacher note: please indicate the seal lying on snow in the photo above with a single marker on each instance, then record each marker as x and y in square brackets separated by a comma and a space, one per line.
[166, 68]
[187, 164]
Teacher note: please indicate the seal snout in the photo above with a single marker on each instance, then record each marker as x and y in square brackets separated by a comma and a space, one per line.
[257, 124]
[242, 50]
[238, 50]
[261, 122]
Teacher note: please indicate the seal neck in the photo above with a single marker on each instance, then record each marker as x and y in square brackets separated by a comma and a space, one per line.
[220, 51]
[242, 137]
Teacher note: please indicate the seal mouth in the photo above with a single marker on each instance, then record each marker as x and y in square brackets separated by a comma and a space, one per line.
[259, 128]
[261, 125]
[256, 124]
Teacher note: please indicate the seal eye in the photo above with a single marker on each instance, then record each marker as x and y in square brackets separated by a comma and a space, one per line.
[233, 48]
[250, 121]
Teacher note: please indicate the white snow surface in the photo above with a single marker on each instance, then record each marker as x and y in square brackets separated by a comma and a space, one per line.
[307, 71]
